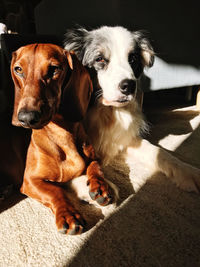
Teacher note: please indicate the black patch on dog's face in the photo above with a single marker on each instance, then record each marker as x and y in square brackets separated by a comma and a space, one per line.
[135, 61]
[144, 45]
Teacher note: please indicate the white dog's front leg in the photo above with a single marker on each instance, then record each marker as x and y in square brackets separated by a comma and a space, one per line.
[182, 174]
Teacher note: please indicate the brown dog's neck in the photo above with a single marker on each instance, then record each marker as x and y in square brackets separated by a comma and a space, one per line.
[59, 122]
[57, 131]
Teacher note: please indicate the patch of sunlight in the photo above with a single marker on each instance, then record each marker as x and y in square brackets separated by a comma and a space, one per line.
[172, 142]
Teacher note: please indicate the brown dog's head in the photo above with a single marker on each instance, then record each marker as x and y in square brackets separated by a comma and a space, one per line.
[39, 73]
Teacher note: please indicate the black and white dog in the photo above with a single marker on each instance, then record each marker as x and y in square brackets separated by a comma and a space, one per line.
[116, 58]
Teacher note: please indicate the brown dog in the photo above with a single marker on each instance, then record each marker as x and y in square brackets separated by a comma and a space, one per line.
[52, 92]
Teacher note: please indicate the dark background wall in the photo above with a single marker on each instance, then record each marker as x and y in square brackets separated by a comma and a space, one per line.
[173, 26]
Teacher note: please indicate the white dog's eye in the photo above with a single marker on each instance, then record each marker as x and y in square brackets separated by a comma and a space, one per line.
[100, 59]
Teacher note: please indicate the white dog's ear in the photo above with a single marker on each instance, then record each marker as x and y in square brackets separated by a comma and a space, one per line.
[75, 40]
[146, 49]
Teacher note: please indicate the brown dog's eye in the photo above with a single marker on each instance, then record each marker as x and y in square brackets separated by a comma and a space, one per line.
[53, 70]
[18, 70]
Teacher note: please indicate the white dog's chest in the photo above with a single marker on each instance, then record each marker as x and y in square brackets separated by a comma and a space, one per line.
[112, 130]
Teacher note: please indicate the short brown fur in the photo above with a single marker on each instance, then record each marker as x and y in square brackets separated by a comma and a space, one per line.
[59, 149]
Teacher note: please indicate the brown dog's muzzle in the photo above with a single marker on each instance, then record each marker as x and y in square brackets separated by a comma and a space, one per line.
[35, 109]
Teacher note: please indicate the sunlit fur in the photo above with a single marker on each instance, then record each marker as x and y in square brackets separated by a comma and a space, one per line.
[112, 129]
[59, 150]
[115, 122]
[115, 118]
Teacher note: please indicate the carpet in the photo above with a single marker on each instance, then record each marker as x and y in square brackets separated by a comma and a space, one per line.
[154, 223]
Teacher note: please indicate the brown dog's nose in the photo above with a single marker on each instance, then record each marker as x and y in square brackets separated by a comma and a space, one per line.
[29, 118]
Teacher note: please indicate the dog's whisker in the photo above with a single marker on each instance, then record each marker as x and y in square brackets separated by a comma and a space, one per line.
[97, 97]
[98, 94]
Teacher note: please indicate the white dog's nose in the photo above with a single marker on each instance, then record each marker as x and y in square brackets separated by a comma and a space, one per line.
[127, 86]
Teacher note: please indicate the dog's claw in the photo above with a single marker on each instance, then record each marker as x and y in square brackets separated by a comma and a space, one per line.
[76, 229]
[66, 226]
[103, 200]
[70, 222]
[100, 192]
[93, 195]
[64, 229]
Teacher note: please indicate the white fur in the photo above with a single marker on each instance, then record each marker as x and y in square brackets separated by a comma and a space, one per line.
[122, 136]
[112, 129]
[122, 133]
[115, 128]
[118, 68]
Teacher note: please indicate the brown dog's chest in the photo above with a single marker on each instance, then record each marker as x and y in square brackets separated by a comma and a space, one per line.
[54, 151]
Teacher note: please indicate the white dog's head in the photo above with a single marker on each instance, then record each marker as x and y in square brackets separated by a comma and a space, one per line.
[118, 57]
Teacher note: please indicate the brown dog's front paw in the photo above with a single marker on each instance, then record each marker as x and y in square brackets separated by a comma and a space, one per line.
[70, 223]
[99, 191]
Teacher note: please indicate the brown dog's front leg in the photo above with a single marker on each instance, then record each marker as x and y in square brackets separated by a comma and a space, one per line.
[99, 190]
[68, 220]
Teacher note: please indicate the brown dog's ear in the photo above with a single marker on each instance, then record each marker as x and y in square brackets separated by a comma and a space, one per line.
[17, 95]
[76, 94]
[69, 58]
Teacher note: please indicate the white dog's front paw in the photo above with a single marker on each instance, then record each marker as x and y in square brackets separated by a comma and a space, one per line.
[189, 179]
